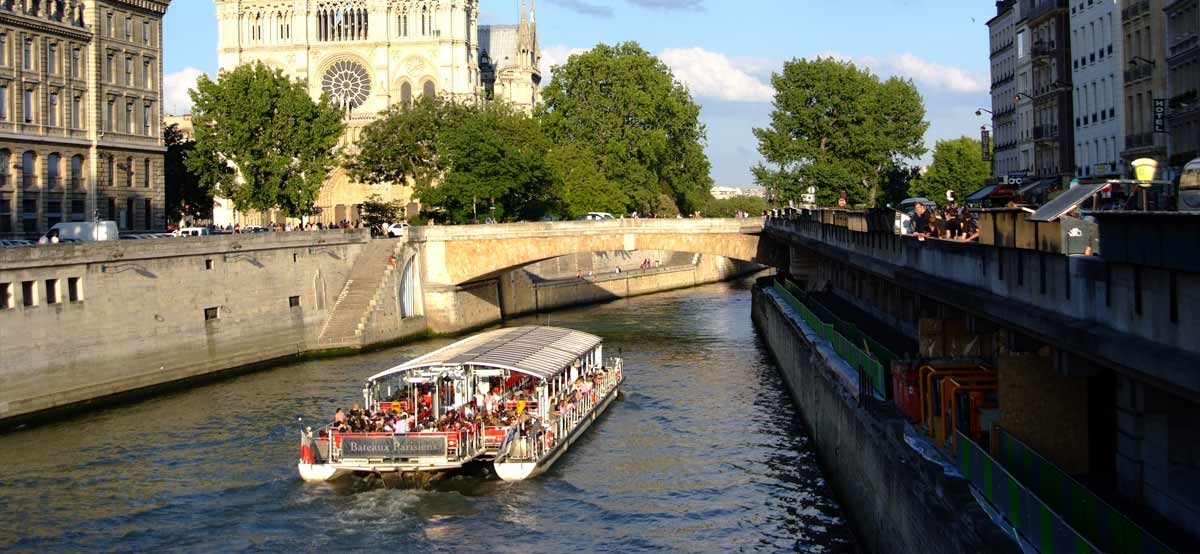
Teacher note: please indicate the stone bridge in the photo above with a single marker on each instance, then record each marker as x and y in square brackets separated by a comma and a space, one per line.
[463, 254]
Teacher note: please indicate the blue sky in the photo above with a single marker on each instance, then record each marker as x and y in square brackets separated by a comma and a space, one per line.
[724, 50]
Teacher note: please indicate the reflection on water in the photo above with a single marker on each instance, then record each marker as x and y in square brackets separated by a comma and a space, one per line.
[705, 453]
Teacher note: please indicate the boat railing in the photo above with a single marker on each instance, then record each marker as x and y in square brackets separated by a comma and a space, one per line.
[525, 447]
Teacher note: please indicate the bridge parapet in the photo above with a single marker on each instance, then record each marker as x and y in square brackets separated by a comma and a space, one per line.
[1117, 314]
[570, 228]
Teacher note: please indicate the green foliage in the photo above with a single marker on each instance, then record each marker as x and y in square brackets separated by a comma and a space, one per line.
[494, 164]
[897, 180]
[581, 186]
[958, 166]
[401, 145]
[838, 128]
[186, 195]
[624, 114]
[267, 127]
[729, 207]
[374, 211]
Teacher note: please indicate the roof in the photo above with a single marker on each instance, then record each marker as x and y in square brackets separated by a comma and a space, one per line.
[542, 352]
[499, 42]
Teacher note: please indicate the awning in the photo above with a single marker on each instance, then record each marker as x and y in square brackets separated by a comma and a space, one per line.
[542, 352]
[1066, 202]
[981, 194]
[1036, 185]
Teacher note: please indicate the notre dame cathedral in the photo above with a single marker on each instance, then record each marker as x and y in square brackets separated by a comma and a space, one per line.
[370, 54]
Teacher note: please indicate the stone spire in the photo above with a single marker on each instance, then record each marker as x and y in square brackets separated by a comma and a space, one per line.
[524, 38]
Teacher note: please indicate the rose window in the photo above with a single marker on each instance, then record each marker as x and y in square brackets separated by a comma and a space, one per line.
[347, 84]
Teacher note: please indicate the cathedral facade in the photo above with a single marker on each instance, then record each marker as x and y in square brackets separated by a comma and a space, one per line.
[367, 55]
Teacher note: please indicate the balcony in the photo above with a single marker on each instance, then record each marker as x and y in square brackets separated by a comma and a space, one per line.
[1183, 45]
[1045, 132]
[1135, 9]
[1138, 72]
[1003, 79]
[1140, 140]
[1049, 88]
[1043, 48]
[1001, 48]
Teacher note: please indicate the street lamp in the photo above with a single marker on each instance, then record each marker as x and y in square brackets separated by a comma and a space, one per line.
[1020, 95]
[980, 111]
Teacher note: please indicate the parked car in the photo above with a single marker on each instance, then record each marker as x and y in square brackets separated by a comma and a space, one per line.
[81, 231]
[595, 216]
[255, 229]
[15, 242]
[396, 230]
[193, 232]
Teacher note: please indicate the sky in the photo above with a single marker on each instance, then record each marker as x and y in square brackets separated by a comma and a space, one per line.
[724, 51]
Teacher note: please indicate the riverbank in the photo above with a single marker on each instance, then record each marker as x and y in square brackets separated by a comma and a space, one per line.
[896, 499]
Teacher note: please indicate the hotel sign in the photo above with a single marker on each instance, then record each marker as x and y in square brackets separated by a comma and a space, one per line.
[1160, 115]
[394, 447]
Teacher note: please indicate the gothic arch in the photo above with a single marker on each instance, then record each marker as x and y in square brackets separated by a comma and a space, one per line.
[429, 87]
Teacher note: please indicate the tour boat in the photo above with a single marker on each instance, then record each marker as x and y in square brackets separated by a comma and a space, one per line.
[530, 391]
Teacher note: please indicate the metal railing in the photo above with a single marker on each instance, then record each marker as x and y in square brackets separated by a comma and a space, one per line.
[525, 447]
[1104, 525]
[1037, 523]
[871, 370]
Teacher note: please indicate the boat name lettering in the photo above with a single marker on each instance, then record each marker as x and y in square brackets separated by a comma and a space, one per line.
[394, 447]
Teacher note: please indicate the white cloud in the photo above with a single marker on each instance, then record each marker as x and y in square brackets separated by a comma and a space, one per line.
[928, 75]
[556, 55]
[714, 75]
[175, 90]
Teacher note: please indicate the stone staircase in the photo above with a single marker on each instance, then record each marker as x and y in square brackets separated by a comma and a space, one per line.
[347, 319]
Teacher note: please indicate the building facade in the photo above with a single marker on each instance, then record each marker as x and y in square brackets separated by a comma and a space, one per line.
[1183, 81]
[1002, 40]
[1097, 67]
[1023, 96]
[1053, 129]
[368, 55]
[80, 114]
[1143, 25]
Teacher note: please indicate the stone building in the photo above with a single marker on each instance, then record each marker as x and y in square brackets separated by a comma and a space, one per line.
[1183, 80]
[370, 54]
[1003, 46]
[1143, 25]
[80, 89]
[1097, 66]
[1053, 130]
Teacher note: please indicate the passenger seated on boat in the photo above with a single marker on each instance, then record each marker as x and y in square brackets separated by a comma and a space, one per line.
[339, 417]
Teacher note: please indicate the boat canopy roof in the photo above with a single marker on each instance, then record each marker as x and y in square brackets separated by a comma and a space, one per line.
[542, 352]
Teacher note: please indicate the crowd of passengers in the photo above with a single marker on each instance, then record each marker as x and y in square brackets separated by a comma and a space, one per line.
[491, 409]
[949, 223]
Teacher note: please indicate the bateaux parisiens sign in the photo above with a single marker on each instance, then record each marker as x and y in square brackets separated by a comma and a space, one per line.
[394, 447]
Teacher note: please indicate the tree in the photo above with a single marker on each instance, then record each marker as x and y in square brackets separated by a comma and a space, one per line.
[624, 107]
[838, 128]
[581, 186]
[729, 207]
[186, 195]
[401, 145]
[493, 161]
[897, 180]
[958, 166]
[374, 211]
[261, 140]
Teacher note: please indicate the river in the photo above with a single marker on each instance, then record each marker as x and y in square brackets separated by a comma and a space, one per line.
[705, 453]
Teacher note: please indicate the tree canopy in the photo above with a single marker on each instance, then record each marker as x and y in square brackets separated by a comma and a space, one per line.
[838, 128]
[619, 110]
[185, 195]
[261, 140]
[958, 166]
[400, 146]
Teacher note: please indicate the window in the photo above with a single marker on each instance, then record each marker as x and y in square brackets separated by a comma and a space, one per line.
[110, 115]
[129, 117]
[148, 212]
[3, 48]
[52, 110]
[212, 314]
[28, 105]
[77, 112]
[293, 301]
[208, 265]
[53, 167]
[108, 24]
[146, 32]
[112, 180]
[129, 177]
[76, 63]
[128, 71]
[108, 67]
[74, 291]
[128, 28]
[6, 296]
[27, 55]
[146, 172]
[77, 210]
[146, 121]
[52, 58]
[146, 81]
[112, 209]
[3, 102]
[52, 291]
[428, 90]
[406, 93]
[29, 293]
[6, 209]
[29, 215]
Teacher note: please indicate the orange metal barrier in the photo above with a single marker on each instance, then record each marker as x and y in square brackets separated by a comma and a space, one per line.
[948, 388]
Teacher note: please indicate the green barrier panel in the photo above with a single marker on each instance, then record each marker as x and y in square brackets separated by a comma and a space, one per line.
[1083, 510]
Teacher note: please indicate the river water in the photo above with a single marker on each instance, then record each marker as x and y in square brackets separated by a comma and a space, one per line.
[704, 454]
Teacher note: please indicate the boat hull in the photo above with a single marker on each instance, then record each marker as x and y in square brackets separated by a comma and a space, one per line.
[520, 471]
[321, 473]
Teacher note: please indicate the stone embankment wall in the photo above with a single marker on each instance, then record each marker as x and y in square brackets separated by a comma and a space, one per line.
[109, 318]
[895, 499]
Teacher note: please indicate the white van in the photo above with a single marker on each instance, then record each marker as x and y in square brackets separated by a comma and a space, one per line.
[193, 232]
[82, 231]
